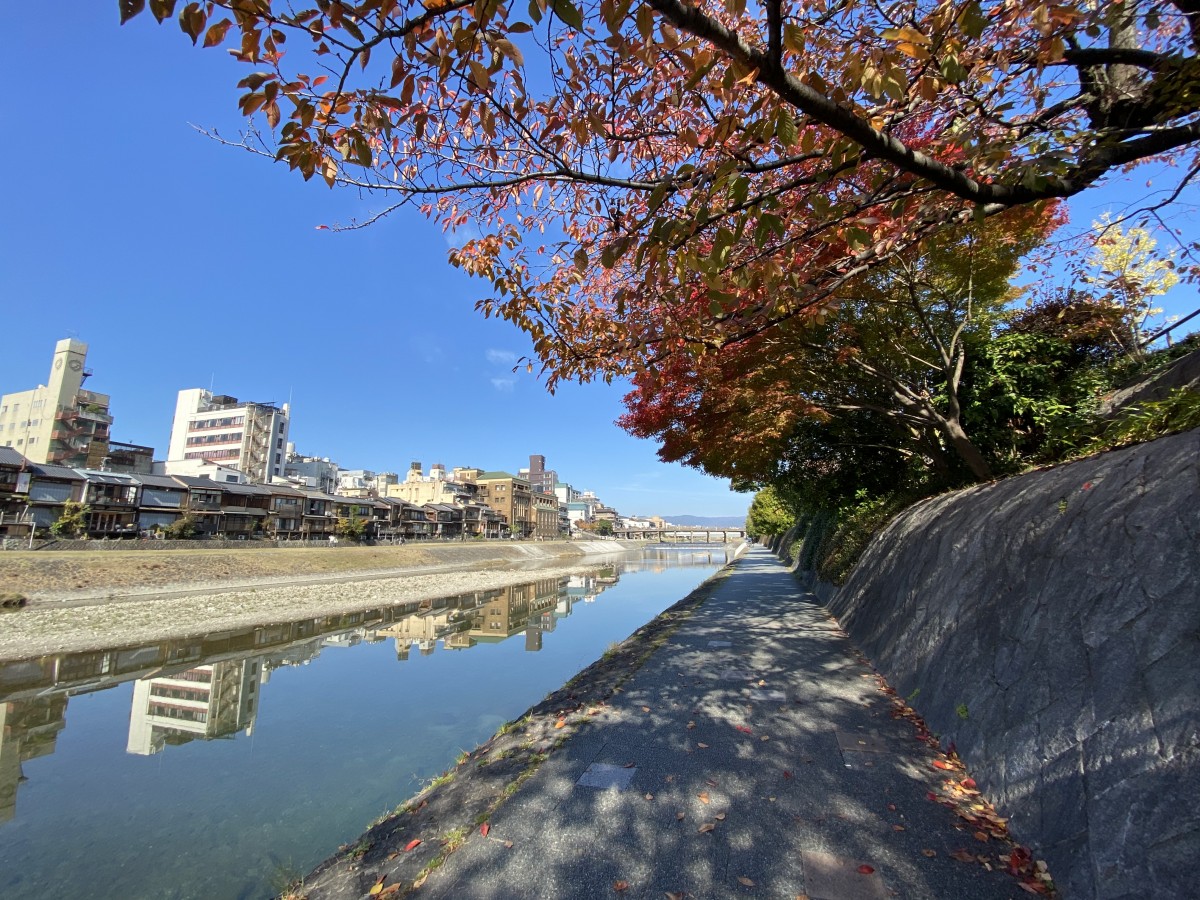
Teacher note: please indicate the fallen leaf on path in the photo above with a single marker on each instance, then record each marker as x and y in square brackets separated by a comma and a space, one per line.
[415, 842]
[787, 774]
[706, 827]
[484, 829]
[619, 886]
[969, 784]
[390, 889]
[691, 725]
[674, 895]
[508, 845]
[703, 795]
[892, 807]
[678, 817]
[981, 837]
[864, 869]
[764, 738]
[748, 882]
[930, 853]
[963, 855]
[649, 796]
[377, 887]
[392, 856]
[743, 729]
[720, 817]
[899, 828]
[629, 765]
[702, 746]
[645, 709]
[560, 723]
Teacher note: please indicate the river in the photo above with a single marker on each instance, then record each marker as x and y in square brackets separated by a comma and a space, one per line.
[224, 765]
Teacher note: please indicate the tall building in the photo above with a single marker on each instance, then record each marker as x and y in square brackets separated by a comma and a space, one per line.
[250, 437]
[207, 702]
[541, 479]
[59, 422]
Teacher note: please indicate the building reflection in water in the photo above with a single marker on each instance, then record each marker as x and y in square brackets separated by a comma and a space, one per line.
[209, 687]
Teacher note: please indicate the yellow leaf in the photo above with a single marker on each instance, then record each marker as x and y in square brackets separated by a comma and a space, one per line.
[377, 887]
[748, 882]
[706, 827]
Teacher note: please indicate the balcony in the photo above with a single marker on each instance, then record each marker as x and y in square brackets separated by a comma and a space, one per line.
[204, 505]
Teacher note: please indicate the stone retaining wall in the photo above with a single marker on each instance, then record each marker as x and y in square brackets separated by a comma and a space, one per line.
[1049, 626]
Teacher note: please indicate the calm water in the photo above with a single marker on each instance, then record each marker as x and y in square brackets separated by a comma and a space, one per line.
[227, 764]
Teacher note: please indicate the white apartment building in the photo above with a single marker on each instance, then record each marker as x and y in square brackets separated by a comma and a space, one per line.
[59, 422]
[249, 437]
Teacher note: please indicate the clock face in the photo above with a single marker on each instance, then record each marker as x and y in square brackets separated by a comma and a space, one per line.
[58, 363]
[75, 365]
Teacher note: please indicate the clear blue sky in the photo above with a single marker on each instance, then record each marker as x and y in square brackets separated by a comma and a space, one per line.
[183, 264]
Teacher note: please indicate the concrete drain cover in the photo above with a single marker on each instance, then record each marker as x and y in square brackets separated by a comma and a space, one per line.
[603, 775]
[862, 742]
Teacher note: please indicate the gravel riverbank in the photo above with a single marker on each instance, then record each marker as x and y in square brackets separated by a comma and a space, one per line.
[135, 597]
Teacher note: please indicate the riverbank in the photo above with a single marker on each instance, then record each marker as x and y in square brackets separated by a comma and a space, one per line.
[92, 600]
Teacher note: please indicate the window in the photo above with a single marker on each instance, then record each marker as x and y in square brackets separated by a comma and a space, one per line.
[278, 458]
[279, 444]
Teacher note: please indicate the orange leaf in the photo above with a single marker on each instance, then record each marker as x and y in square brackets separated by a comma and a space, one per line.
[645, 709]
[963, 855]
[864, 869]
[981, 837]
[560, 723]
[898, 828]
[706, 827]
[930, 853]
[412, 845]
[703, 795]
[619, 886]
[484, 829]
[939, 764]
[748, 882]
[390, 889]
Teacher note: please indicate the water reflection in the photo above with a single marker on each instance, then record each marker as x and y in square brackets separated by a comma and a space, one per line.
[209, 687]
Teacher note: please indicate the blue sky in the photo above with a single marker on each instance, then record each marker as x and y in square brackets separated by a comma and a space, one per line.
[183, 263]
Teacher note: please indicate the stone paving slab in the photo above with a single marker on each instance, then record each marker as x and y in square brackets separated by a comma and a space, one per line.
[767, 767]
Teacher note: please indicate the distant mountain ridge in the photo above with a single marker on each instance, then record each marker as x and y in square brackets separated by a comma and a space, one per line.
[711, 521]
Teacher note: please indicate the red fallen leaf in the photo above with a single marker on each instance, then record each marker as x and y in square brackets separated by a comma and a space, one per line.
[864, 869]
[981, 837]
[892, 807]
[484, 829]
[1033, 888]
[629, 765]
[939, 764]
[930, 795]
[787, 774]
[415, 842]
[963, 855]
[969, 784]
[619, 886]
[930, 853]
[560, 723]
[743, 729]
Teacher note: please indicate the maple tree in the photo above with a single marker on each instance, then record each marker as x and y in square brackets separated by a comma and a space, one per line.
[646, 180]
[882, 376]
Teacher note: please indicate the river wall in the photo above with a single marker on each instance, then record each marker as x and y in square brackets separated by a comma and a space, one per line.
[1048, 626]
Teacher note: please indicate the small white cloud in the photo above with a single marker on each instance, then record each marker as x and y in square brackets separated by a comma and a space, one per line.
[501, 357]
[504, 385]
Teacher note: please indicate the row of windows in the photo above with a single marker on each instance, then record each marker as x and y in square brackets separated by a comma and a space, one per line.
[228, 437]
[213, 454]
[226, 422]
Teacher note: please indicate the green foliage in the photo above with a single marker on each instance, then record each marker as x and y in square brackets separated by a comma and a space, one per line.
[604, 528]
[72, 522]
[855, 526]
[1179, 411]
[184, 528]
[768, 515]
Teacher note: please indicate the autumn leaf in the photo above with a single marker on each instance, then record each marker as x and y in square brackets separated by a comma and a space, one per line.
[743, 729]
[703, 795]
[963, 855]
[412, 845]
[968, 783]
[679, 817]
[743, 880]
[620, 886]
[484, 829]
[787, 774]
[898, 828]
[377, 887]
[702, 745]
[864, 869]
[930, 853]
[706, 828]
[720, 817]
[560, 723]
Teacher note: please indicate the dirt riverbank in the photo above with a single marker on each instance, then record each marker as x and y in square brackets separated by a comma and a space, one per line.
[92, 600]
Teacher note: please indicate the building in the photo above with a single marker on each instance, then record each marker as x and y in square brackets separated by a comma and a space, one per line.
[206, 702]
[250, 437]
[314, 473]
[510, 496]
[436, 487]
[59, 422]
[541, 479]
[545, 515]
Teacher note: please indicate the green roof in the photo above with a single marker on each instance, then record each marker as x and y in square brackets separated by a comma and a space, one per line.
[492, 476]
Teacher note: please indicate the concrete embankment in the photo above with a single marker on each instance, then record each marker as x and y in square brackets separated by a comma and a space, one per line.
[1048, 626]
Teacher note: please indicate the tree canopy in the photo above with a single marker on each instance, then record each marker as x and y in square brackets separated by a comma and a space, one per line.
[649, 181]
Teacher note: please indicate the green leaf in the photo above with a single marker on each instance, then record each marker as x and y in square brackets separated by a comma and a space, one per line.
[785, 127]
[568, 12]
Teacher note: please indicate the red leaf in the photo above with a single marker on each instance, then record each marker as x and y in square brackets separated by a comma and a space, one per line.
[484, 829]
[619, 886]
[969, 784]
[412, 844]
[864, 869]
[743, 729]
[787, 774]
[939, 764]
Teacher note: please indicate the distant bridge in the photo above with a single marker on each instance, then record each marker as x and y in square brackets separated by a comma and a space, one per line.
[682, 534]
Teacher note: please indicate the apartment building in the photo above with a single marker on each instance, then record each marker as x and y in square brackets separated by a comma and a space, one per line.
[510, 496]
[59, 422]
[251, 437]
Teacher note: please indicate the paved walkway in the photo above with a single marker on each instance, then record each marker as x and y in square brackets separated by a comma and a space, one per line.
[752, 755]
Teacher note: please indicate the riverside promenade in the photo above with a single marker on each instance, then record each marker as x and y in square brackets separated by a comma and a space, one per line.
[753, 754]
